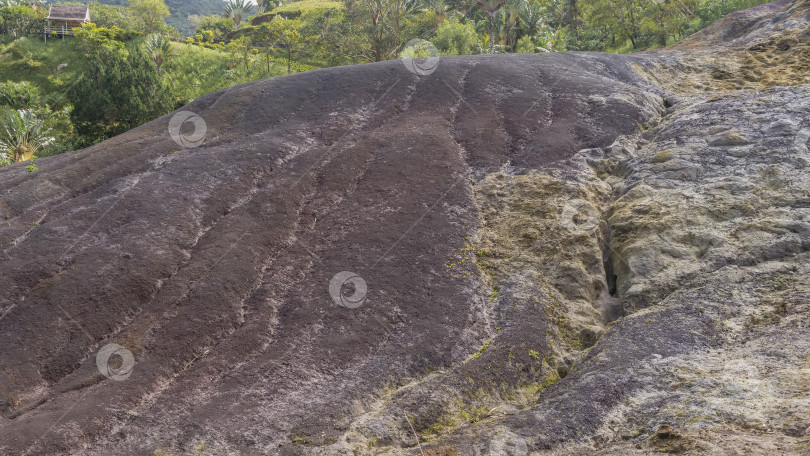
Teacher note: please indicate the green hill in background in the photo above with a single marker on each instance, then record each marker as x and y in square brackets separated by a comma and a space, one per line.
[181, 10]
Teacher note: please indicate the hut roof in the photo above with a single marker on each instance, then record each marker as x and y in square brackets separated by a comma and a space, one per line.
[69, 13]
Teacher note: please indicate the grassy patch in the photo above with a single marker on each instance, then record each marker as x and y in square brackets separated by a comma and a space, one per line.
[196, 71]
[34, 61]
[308, 6]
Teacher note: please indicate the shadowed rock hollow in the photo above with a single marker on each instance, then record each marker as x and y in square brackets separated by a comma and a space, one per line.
[562, 253]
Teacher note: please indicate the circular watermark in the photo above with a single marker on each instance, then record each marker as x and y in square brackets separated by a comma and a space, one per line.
[507, 443]
[187, 140]
[106, 361]
[580, 215]
[420, 57]
[348, 289]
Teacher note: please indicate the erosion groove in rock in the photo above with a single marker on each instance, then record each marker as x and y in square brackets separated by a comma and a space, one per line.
[563, 253]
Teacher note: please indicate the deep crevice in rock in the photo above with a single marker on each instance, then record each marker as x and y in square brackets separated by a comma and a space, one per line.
[611, 304]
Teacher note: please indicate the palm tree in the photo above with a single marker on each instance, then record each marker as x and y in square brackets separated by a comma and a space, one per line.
[511, 22]
[531, 15]
[491, 7]
[159, 50]
[238, 10]
[22, 135]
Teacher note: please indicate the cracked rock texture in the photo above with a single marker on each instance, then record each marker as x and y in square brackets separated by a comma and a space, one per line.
[569, 253]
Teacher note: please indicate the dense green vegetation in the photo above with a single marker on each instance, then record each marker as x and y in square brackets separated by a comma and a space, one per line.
[184, 13]
[133, 64]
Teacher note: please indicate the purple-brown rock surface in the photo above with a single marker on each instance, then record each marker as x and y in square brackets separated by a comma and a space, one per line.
[573, 253]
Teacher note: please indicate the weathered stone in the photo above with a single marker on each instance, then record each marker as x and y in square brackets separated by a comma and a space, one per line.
[559, 252]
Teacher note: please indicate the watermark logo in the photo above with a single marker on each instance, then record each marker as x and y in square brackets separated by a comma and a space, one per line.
[580, 215]
[115, 362]
[507, 443]
[420, 57]
[348, 289]
[192, 140]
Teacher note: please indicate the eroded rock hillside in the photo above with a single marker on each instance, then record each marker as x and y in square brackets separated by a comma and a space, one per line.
[569, 253]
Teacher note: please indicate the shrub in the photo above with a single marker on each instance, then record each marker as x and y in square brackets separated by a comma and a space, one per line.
[554, 40]
[19, 20]
[120, 90]
[218, 27]
[92, 37]
[454, 38]
[18, 95]
[109, 16]
[525, 45]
